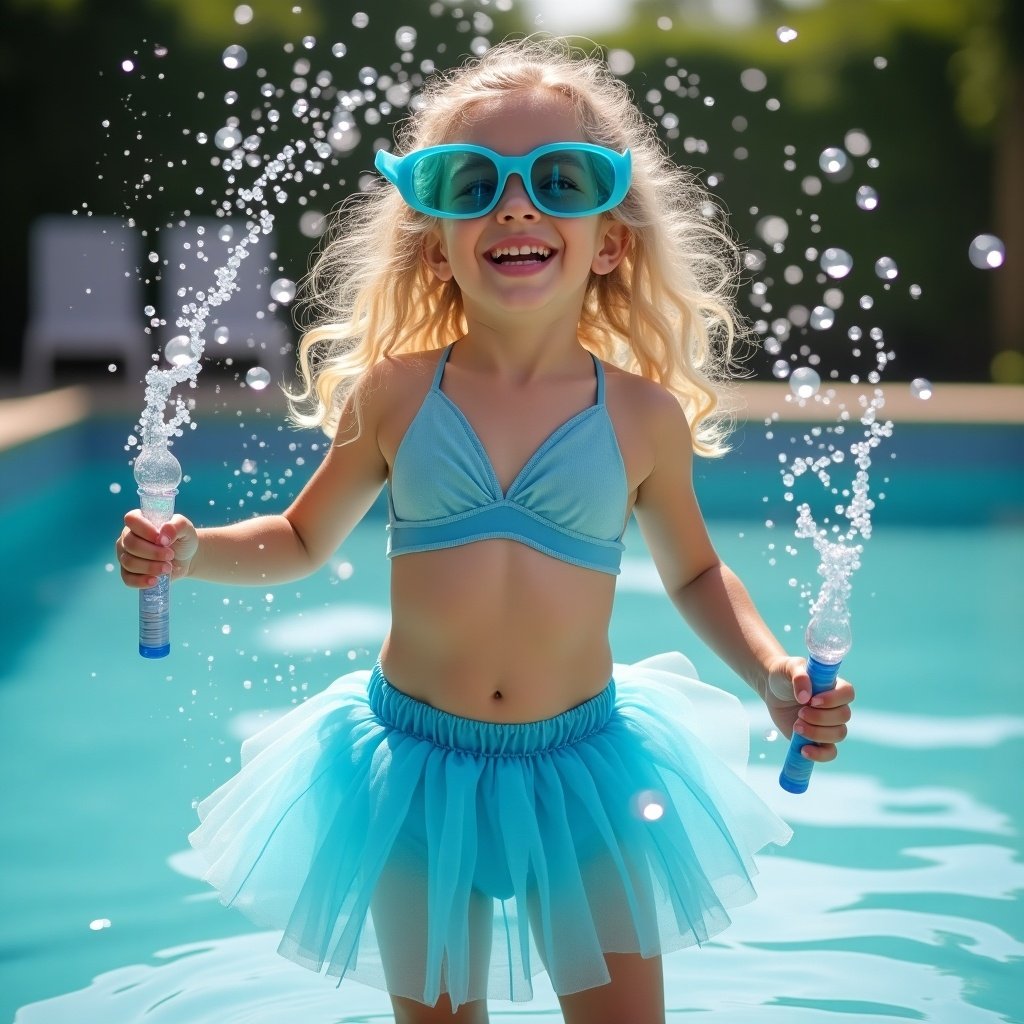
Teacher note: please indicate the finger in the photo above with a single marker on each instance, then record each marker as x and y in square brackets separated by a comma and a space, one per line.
[826, 716]
[138, 524]
[820, 753]
[841, 693]
[830, 734]
[140, 547]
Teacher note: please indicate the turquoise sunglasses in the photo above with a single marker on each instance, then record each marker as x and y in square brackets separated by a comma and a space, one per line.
[460, 181]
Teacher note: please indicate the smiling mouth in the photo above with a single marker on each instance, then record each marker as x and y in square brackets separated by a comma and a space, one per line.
[520, 255]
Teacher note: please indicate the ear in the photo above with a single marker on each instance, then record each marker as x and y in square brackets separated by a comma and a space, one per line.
[435, 255]
[613, 244]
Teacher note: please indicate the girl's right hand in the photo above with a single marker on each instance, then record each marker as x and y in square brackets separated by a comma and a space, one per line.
[145, 551]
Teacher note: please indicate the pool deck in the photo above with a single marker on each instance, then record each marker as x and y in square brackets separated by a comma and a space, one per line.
[23, 418]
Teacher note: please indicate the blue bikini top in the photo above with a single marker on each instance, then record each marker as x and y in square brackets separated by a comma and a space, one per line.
[568, 501]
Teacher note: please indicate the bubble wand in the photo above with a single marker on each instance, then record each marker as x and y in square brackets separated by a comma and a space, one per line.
[828, 637]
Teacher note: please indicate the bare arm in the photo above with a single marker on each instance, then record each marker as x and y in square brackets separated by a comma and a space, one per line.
[712, 598]
[275, 548]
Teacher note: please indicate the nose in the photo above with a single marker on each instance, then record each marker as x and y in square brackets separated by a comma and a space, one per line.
[515, 203]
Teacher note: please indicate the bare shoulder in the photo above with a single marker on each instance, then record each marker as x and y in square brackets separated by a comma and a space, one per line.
[392, 390]
[644, 405]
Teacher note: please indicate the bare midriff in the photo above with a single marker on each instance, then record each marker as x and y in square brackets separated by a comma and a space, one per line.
[497, 631]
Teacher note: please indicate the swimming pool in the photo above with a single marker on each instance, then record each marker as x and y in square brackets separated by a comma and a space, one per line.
[897, 900]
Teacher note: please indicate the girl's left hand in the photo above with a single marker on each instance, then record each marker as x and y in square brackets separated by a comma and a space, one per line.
[822, 718]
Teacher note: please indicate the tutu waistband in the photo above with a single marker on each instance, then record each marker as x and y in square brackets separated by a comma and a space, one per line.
[488, 739]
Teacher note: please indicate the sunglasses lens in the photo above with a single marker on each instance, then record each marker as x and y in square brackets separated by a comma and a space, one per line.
[572, 181]
[455, 183]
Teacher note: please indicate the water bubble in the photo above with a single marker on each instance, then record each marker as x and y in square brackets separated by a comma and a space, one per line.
[248, 466]
[178, 351]
[620, 62]
[915, 291]
[921, 388]
[221, 335]
[836, 262]
[753, 79]
[780, 368]
[257, 378]
[793, 274]
[866, 302]
[857, 143]
[99, 924]
[833, 161]
[785, 34]
[811, 185]
[822, 318]
[234, 56]
[308, 42]
[804, 382]
[773, 230]
[986, 252]
[867, 198]
[154, 257]
[282, 290]
[360, 19]
[227, 138]
[771, 735]
[225, 232]
[339, 49]
[115, 488]
[230, 97]
[405, 38]
[886, 269]
[367, 75]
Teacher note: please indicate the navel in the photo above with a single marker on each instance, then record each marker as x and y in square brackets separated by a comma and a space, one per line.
[497, 694]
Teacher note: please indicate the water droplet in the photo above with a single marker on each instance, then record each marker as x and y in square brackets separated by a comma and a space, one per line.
[127, 66]
[405, 38]
[867, 198]
[857, 143]
[620, 62]
[243, 14]
[773, 230]
[360, 19]
[257, 378]
[649, 804]
[771, 735]
[178, 351]
[225, 629]
[753, 79]
[115, 488]
[822, 318]
[833, 161]
[227, 138]
[248, 466]
[785, 34]
[804, 382]
[836, 262]
[915, 291]
[282, 290]
[921, 388]
[225, 232]
[811, 185]
[234, 56]
[154, 257]
[886, 268]
[986, 252]
[780, 368]
[99, 924]
[339, 49]
[312, 224]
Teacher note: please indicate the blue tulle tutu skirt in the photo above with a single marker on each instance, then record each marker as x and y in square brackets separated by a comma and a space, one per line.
[424, 853]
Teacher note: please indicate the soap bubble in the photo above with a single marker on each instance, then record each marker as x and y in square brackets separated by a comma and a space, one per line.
[785, 34]
[178, 351]
[225, 232]
[228, 137]
[257, 378]
[886, 268]
[804, 382]
[773, 230]
[234, 56]
[822, 318]
[836, 262]
[833, 161]
[857, 143]
[282, 290]
[405, 38]
[921, 388]
[753, 79]
[780, 368]
[221, 335]
[649, 804]
[867, 198]
[986, 252]
[243, 14]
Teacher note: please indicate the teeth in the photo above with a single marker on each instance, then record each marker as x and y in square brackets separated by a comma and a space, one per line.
[521, 250]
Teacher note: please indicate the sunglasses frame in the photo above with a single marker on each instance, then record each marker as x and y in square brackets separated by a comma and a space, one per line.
[399, 171]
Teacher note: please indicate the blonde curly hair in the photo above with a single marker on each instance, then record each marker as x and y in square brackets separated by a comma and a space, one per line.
[666, 312]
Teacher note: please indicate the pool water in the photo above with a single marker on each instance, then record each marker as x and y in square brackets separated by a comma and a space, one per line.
[897, 900]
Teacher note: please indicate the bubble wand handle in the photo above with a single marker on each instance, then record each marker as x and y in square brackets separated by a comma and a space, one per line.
[796, 771]
[828, 640]
[158, 474]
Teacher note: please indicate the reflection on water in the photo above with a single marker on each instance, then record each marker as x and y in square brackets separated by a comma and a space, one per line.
[913, 939]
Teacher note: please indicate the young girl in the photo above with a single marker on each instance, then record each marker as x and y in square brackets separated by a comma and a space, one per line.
[523, 333]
